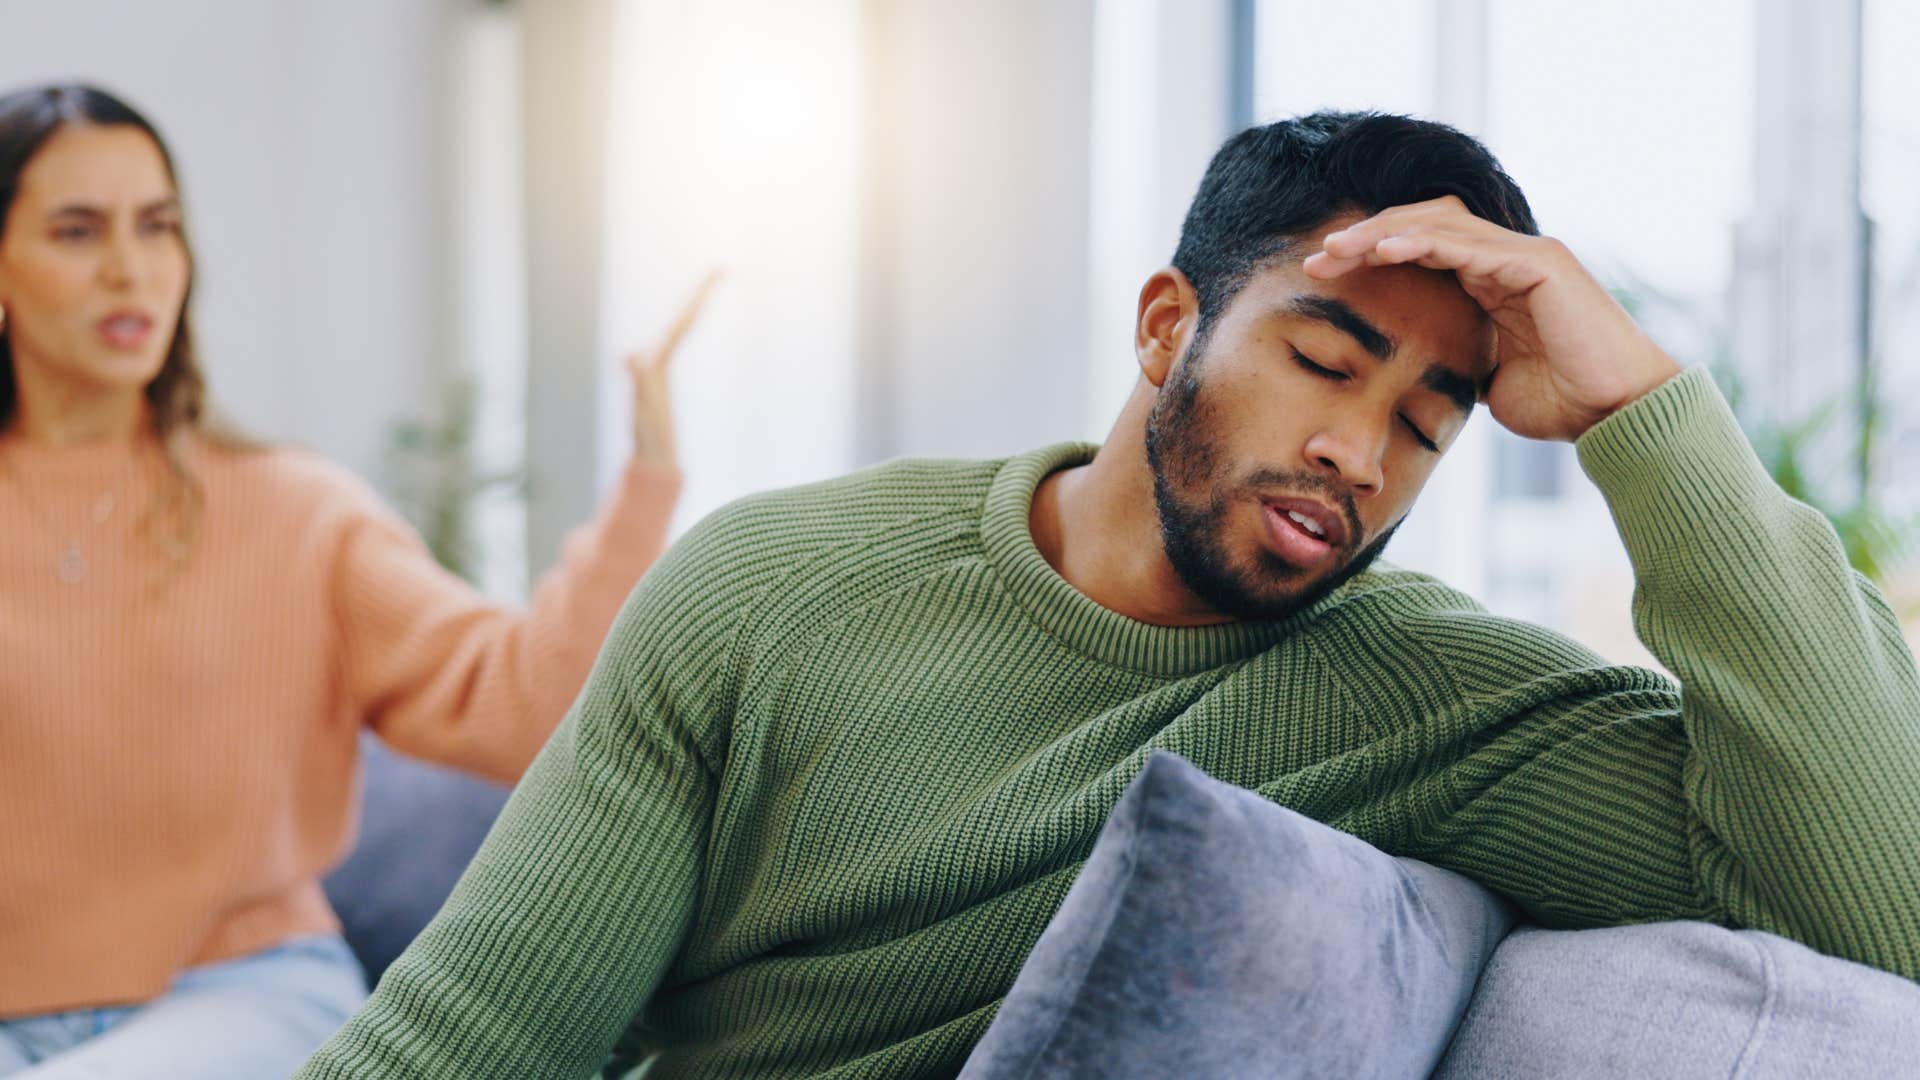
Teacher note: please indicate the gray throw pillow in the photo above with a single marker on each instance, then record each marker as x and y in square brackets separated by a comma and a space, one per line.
[1682, 1000]
[1213, 933]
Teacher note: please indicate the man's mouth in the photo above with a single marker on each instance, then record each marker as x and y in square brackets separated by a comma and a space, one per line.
[1311, 526]
[1306, 537]
[1314, 520]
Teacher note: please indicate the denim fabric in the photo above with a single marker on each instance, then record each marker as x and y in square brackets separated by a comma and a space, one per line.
[1682, 1000]
[250, 1018]
[1215, 934]
[420, 825]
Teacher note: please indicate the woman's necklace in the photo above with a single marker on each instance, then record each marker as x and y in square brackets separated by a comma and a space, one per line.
[71, 565]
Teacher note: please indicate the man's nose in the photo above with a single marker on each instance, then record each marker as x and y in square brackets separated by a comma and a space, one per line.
[1352, 453]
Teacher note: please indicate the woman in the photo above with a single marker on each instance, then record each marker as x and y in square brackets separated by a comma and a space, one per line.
[194, 629]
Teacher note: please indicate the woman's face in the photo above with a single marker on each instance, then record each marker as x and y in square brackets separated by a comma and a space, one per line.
[93, 266]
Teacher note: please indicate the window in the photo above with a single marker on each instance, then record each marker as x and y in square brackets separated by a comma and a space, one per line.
[739, 150]
[1890, 193]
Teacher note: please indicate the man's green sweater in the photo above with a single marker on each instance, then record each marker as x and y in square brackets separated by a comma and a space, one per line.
[848, 745]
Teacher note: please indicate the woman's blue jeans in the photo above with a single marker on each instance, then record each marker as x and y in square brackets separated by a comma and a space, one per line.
[250, 1018]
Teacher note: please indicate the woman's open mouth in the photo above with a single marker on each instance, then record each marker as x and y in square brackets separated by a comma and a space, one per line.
[125, 330]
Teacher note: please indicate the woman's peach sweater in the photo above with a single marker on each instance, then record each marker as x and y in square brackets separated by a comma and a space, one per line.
[178, 743]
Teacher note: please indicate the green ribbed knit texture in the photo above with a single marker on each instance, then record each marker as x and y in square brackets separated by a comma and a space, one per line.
[848, 745]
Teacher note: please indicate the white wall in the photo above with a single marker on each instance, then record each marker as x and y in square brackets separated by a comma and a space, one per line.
[307, 138]
[975, 291]
[1161, 107]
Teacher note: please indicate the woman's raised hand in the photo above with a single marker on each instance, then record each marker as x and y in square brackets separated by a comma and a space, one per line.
[653, 440]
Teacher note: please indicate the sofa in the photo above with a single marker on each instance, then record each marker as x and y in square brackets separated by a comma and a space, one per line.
[1215, 934]
[420, 824]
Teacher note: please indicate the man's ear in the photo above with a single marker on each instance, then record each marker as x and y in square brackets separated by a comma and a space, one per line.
[1169, 310]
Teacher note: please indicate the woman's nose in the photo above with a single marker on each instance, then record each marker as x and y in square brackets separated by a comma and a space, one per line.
[120, 265]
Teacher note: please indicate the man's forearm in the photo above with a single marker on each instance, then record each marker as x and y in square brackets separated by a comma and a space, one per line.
[1799, 698]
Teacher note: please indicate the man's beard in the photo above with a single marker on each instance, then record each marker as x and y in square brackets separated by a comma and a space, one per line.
[1181, 451]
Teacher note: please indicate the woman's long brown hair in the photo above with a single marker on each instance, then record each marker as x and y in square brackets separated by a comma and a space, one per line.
[177, 396]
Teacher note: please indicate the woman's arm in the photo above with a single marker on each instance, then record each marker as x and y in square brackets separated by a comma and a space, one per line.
[440, 672]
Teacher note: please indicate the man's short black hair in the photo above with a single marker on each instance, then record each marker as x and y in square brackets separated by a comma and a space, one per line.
[1269, 185]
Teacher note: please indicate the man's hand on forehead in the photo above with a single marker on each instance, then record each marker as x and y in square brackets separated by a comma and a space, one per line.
[1568, 356]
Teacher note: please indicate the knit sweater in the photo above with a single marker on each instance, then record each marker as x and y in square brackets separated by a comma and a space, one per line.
[178, 744]
[847, 747]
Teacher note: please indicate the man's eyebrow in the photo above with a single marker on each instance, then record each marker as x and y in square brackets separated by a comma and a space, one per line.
[1343, 318]
[1457, 387]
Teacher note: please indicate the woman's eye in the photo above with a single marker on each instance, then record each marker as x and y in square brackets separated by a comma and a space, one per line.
[160, 227]
[1420, 436]
[1312, 368]
[66, 233]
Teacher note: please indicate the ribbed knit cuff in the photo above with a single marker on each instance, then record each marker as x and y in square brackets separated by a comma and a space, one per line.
[1674, 465]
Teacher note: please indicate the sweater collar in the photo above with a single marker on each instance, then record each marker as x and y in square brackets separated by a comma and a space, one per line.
[1076, 620]
[86, 463]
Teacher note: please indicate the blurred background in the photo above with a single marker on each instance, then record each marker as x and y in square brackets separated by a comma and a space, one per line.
[428, 228]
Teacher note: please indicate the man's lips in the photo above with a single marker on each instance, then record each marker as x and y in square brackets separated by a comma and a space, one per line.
[1295, 545]
[1313, 520]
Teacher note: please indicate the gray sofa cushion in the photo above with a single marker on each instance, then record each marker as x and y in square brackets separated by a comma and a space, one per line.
[1682, 1000]
[419, 827]
[1213, 933]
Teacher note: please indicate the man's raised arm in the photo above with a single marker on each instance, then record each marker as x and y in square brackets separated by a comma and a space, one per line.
[1799, 697]
[1781, 790]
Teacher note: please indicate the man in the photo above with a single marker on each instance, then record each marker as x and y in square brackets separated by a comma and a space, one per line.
[847, 746]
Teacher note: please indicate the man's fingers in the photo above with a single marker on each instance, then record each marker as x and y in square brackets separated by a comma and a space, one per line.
[1513, 263]
[1430, 248]
[1414, 243]
[1506, 259]
[1447, 212]
[1326, 266]
[1444, 209]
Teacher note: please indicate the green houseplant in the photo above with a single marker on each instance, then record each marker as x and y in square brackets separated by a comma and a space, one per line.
[432, 479]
